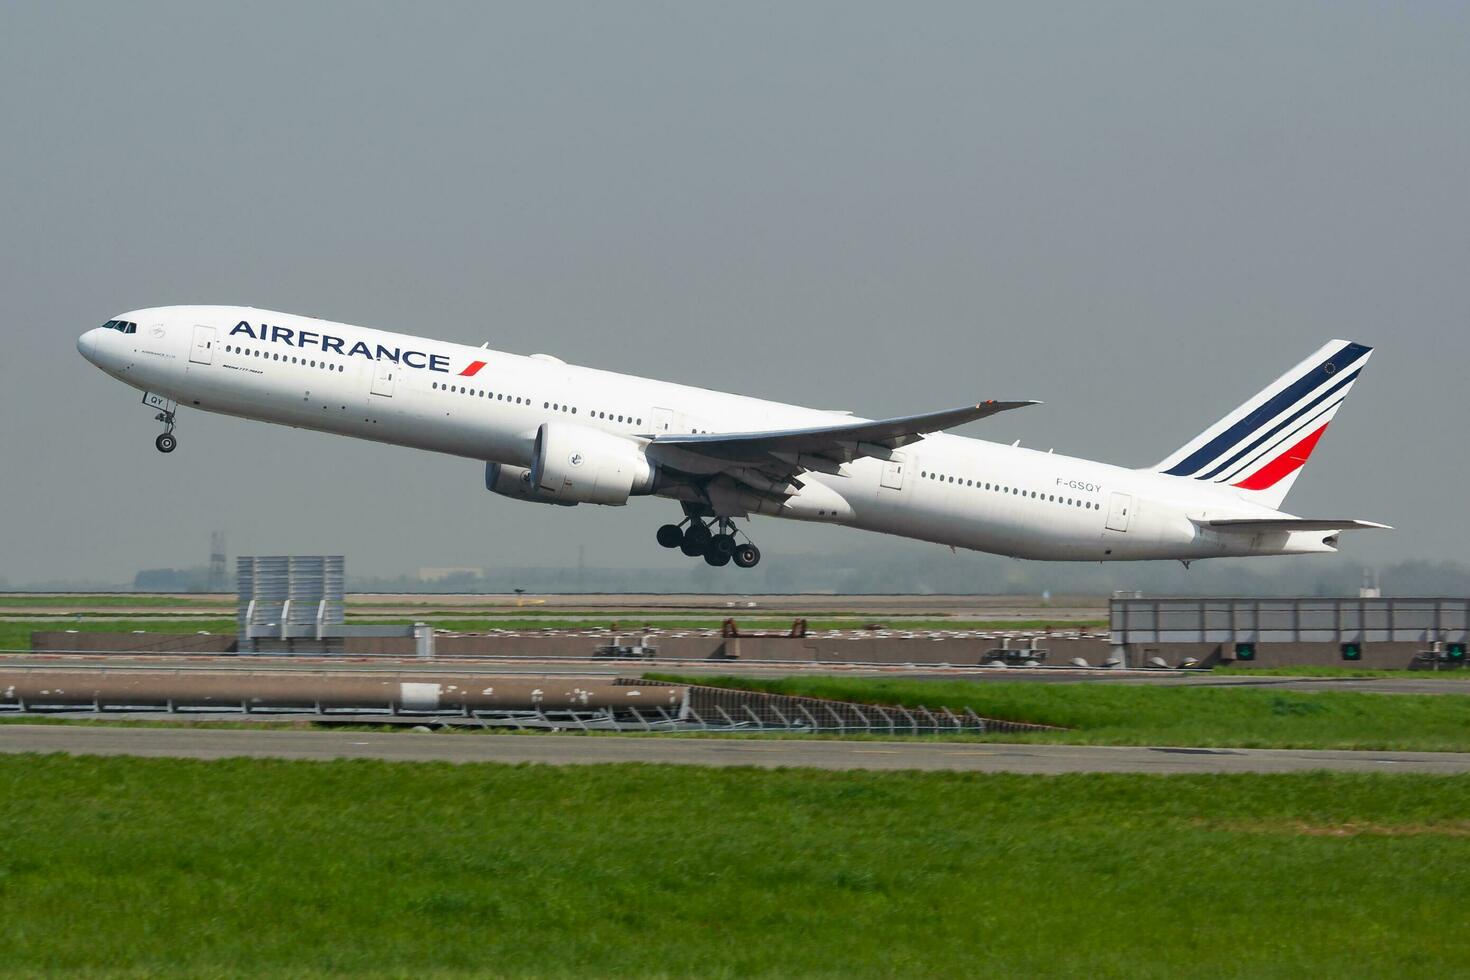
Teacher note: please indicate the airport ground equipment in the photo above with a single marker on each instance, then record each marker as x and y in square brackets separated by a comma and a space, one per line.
[616, 649]
[1029, 655]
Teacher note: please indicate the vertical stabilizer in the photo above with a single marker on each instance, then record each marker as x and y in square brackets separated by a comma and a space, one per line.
[1260, 448]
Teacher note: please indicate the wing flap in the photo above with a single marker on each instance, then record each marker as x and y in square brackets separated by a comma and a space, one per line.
[1253, 525]
[841, 443]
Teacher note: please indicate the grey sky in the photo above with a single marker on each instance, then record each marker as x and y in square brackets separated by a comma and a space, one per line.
[1139, 214]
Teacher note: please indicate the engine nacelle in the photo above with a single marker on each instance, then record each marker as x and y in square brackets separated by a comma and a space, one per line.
[515, 482]
[575, 464]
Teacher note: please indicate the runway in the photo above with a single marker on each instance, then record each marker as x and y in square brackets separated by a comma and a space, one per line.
[566, 750]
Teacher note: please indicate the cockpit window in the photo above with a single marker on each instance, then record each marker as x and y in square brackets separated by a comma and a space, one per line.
[124, 326]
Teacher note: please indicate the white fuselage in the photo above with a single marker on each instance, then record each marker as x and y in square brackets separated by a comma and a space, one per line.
[427, 394]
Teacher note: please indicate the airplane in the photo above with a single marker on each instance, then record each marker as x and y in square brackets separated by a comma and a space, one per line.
[554, 433]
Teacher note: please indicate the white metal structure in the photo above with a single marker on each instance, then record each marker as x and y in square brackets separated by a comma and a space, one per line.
[555, 433]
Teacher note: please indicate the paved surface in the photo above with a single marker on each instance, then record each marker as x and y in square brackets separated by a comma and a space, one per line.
[1411, 682]
[580, 750]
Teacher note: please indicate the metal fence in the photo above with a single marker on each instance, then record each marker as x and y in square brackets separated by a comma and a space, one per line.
[732, 707]
[1315, 620]
[707, 709]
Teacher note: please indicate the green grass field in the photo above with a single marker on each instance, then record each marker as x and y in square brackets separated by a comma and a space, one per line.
[1304, 670]
[139, 600]
[1100, 713]
[180, 868]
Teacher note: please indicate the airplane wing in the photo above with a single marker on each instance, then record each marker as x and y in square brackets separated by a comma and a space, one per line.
[1258, 526]
[837, 443]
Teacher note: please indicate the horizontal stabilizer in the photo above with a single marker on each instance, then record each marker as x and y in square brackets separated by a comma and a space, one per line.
[1251, 525]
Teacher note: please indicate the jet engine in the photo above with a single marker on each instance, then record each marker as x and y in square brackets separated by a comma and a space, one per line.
[574, 464]
[515, 482]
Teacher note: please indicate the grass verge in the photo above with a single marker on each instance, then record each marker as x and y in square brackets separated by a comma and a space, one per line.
[248, 867]
[118, 599]
[1305, 670]
[1129, 714]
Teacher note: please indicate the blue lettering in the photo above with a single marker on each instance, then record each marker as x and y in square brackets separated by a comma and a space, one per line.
[388, 353]
[412, 353]
[306, 339]
[361, 348]
[439, 363]
[277, 333]
[332, 343]
[243, 327]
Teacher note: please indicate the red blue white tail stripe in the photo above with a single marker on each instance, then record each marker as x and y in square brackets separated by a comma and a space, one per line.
[1259, 447]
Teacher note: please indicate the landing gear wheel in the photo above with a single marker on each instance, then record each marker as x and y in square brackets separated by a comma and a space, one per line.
[696, 539]
[747, 556]
[716, 558]
[166, 442]
[671, 535]
[723, 544]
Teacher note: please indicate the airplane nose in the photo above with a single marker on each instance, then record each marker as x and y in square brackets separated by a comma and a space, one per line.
[87, 344]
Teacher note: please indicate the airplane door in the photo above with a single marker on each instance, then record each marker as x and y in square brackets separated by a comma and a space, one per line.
[893, 472]
[1118, 508]
[203, 350]
[384, 371]
[663, 420]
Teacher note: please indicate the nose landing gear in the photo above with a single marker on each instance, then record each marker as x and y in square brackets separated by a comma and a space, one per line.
[167, 442]
[715, 542]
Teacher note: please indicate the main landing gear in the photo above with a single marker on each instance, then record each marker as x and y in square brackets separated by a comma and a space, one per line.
[715, 541]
